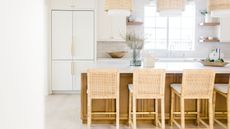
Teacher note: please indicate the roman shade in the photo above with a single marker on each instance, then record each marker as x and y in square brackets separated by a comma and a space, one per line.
[219, 8]
[118, 7]
[170, 7]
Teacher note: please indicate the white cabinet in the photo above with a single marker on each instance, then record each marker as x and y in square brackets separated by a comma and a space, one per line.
[224, 30]
[72, 4]
[109, 28]
[73, 47]
[62, 76]
[73, 35]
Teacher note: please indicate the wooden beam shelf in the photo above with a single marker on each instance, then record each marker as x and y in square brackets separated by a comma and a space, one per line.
[133, 23]
[209, 23]
[215, 40]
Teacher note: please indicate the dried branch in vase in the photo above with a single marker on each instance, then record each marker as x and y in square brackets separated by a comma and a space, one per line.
[134, 41]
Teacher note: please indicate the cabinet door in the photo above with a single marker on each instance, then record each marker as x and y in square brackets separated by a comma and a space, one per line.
[83, 35]
[62, 76]
[224, 31]
[103, 23]
[61, 34]
[118, 24]
[109, 28]
[79, 67]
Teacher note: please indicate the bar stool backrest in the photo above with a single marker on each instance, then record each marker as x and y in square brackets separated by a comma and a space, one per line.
[197, 83]
[103, 83]
[149, 83]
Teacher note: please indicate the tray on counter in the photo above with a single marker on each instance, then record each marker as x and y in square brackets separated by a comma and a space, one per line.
[214, 64]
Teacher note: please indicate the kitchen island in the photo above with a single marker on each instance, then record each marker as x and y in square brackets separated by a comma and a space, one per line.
[173, 75]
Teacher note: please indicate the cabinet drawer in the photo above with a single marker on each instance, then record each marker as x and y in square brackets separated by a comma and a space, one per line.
[72, 4]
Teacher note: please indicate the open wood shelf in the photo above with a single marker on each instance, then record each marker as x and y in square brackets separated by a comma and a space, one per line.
[209, 23]
[215, 40]
[133, 23]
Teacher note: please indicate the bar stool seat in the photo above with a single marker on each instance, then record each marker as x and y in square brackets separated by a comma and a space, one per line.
[130, 87]
[176, 87]
[222, 88]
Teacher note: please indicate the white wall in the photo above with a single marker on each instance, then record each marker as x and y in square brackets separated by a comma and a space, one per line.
[201, 49]
[22, 63]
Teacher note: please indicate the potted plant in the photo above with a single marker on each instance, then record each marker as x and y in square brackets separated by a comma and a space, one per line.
[207, 16]
[135, 43]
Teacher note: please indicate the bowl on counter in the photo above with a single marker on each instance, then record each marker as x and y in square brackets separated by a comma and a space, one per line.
[117, 54]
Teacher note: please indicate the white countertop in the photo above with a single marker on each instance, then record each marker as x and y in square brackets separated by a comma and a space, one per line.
[170, 66]
[160, 59]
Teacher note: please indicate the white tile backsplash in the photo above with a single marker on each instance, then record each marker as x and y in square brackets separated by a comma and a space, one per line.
[104, 47]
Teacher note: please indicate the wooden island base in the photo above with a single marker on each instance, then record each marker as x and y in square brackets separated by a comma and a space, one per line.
[146, 105]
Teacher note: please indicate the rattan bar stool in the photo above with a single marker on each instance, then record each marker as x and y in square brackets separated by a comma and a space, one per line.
[147, 84]
[224, 90]
[102, 84]
[198, 85]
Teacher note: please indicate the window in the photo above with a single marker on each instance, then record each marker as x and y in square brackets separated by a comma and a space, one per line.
[170, 33]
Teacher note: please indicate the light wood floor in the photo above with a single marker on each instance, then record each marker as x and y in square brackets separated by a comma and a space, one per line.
[63, 112]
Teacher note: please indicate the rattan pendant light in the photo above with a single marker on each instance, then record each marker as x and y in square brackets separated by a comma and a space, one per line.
[170, 7]
[118, 7]
[219, 8]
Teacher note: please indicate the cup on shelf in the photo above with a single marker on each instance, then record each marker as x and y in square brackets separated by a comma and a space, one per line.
[210, 38]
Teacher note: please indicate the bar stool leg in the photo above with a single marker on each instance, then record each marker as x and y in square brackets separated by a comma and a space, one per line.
[130, 99]
[172, 107]
[163, 113]
[156, 110]
[182, 113]
[228, 112]
[89, 113]
[198, 112]
[214, 104]
[117, 113]
[210, 114]
[134, 113]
